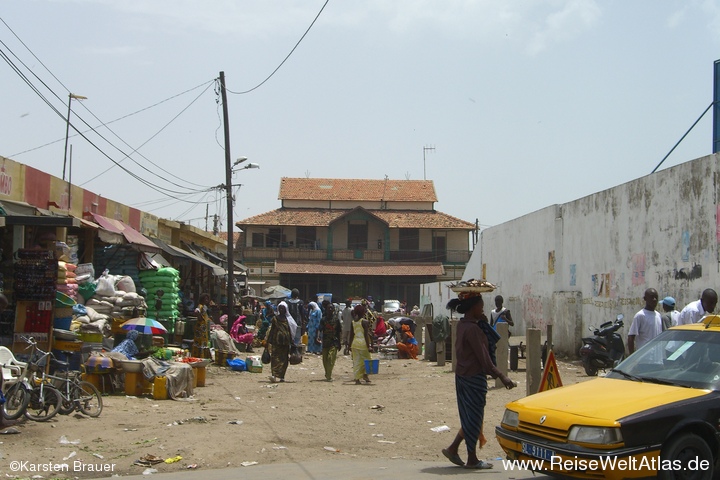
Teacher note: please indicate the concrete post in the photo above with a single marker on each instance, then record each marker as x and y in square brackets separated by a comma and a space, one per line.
[549, 340]
[501, 353]
[533, 372]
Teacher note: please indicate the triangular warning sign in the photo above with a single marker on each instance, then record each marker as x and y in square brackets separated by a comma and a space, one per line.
[551, 374]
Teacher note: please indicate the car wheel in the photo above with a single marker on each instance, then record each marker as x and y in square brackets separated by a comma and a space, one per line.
[684, 456]
[589, 368]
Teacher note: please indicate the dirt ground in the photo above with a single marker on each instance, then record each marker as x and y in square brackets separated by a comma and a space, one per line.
[241, 417]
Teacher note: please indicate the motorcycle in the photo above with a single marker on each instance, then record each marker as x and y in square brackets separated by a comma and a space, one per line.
[605, 349]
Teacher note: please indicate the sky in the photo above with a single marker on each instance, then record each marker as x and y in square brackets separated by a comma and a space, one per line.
[507, 106]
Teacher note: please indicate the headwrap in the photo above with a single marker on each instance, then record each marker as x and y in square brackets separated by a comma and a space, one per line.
[466, 295]
[133, 335]
[314, 305]
[291, 321]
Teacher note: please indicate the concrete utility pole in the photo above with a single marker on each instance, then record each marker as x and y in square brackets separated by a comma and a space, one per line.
[425, 149]
[228, 192]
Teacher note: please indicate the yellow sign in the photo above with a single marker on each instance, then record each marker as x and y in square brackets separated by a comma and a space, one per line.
[551, 374]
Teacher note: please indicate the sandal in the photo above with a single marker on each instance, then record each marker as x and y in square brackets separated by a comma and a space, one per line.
[481, 465]
[453, 457]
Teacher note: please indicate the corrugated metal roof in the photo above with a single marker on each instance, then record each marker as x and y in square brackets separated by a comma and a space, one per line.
[351, 189]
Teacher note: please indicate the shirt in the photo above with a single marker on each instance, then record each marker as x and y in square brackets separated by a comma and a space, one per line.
[347, 319]
[646, 325]
[692, 313]
[471, 351]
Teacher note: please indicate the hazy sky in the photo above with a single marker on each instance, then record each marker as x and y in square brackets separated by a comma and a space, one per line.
[527, 103]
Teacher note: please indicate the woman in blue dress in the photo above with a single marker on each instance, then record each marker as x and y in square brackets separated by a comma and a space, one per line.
[314, 317]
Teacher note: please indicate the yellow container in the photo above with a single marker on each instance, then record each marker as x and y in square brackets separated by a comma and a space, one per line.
[160, 388]
[304, 339]
[199, 376]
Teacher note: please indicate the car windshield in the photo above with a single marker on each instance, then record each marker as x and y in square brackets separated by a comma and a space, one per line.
[676, 357]
[391, 306]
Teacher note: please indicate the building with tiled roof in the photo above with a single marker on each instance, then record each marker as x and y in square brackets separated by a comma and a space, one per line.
[354, 238]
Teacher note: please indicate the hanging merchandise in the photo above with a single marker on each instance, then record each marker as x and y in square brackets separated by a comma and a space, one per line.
[36, 272]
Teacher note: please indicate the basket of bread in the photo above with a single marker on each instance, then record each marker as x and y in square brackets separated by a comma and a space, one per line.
[473, 286]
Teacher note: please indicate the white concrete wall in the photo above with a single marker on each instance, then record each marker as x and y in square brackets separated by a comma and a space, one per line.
[602, 251]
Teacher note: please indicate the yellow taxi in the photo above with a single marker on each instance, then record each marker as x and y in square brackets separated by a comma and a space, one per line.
[655, 415]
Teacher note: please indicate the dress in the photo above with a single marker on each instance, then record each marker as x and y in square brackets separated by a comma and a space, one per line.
[474, 363]
[331, 331]
[200, 347]
[360, 351]
[408, 347]
[279, 339]
[313, 328]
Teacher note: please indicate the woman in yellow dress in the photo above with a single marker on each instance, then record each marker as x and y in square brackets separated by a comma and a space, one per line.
[360, 343]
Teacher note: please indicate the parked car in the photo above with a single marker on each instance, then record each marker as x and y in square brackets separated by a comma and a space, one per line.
[391, 306]
[656, 414]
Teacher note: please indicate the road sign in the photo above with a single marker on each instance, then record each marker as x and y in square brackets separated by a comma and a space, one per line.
[551, 374]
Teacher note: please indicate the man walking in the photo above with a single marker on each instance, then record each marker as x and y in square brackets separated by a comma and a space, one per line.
[695, 311]
[296, 308]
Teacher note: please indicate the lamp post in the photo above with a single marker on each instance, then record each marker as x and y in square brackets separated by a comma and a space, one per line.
[67, 127]
[230, 241]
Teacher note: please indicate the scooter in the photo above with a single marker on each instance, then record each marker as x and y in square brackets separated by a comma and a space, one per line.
[605, 349]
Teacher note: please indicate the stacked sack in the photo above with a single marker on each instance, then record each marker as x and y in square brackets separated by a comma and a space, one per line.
[115, 296]
[66, 281]
[166, 279]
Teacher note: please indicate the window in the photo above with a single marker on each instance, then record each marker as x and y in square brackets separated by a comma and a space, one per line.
[409, 239]
[258, 240]
[305, 237]
[274, 238]
[357, 236]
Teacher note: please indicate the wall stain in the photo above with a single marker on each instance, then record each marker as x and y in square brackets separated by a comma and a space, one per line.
[688, 273]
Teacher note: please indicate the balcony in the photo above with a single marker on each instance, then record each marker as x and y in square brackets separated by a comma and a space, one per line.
[266, 254]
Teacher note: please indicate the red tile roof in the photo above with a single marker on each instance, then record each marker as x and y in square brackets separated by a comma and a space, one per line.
[316, 217]
[360, 268]
[357, 189]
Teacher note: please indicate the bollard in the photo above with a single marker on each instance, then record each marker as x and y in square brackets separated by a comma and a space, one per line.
[501, 352]
[533, 372]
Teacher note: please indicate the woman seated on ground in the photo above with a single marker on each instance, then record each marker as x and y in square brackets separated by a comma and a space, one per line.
[380, 328]
[241, 334]
[407, 346]
[128, 347]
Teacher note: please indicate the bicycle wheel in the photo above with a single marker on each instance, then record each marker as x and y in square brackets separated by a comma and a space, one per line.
[89, 399]
[44, 403]
[67, 406]
[16, 401]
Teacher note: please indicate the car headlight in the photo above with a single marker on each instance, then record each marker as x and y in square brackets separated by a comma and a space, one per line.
[598, 435]
[510, 418]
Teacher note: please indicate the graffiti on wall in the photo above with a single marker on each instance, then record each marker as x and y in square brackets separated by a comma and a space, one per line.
[638, 269]
[688, 273]
[685, 246]
[551, 262]
[601, 284]
[532, 308]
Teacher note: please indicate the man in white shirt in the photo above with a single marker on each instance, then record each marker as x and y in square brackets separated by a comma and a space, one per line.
[695, 311]
[646, 324]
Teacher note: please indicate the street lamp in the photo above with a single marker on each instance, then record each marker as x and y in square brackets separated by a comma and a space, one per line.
[67, 127]
[230, 240]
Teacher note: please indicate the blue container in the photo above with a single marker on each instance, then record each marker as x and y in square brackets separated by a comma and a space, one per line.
[372, 366]
[73, 358]
[63, 323]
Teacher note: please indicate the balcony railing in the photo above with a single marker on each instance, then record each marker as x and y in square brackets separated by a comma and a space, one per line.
[266, 254]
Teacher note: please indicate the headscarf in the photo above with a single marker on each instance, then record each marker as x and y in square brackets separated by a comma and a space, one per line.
[290, 319]
[314, 305]
[133, 335]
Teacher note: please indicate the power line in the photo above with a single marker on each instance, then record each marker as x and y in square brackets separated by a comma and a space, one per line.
[286, 58]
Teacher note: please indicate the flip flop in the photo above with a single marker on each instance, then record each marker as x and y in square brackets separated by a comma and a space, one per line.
[481, 465]
[453, 457]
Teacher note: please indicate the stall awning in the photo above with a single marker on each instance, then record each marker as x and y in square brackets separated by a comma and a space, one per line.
[21, 213]
[179, 252]
[132, 236]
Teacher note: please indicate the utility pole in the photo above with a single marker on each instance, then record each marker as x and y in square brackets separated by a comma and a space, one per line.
[425, 149]
[228, 191]
[206, 217]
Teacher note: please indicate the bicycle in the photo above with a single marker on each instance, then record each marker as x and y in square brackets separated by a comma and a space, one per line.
[76, 394]
[36, 400]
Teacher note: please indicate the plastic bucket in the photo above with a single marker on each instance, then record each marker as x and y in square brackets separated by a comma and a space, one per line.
[372, 366]
[62, 323]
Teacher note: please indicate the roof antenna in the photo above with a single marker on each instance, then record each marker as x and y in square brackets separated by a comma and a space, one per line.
[307, 173]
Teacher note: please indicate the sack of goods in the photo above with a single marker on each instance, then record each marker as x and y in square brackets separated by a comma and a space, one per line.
[162, 286]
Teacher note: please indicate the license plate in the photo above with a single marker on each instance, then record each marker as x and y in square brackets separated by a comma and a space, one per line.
[537, 452]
